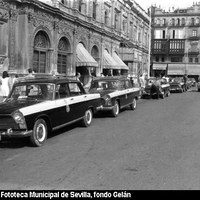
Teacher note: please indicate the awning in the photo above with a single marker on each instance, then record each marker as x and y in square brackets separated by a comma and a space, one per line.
[84, 58]
[109, 62]
[159, 66]
[120, 63]
[193, 69]
[176, 69]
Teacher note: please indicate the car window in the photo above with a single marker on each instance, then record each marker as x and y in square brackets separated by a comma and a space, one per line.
[74, 89]
[33, 91]
[128, 84]
[62, 91]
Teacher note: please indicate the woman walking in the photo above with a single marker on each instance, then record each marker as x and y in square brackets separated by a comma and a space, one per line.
[6, 85]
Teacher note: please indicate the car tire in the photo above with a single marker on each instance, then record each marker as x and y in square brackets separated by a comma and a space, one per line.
[133, 105]
[87, 119]
[39, 134]
[115, 110]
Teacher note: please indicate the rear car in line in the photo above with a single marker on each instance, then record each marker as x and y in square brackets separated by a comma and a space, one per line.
[117, 92]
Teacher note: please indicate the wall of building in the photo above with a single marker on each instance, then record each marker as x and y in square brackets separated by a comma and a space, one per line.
[39, 28]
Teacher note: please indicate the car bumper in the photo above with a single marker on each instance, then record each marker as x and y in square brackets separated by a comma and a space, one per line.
[9, 133]
[105, 108]
[175, 89]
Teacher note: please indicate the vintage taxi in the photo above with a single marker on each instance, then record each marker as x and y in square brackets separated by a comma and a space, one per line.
[117, 92]
[164, 89]
[37, 106]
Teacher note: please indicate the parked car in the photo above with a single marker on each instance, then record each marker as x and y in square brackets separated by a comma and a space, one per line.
[37, 106]
[177, 85]
[164, 87]
[117, 93]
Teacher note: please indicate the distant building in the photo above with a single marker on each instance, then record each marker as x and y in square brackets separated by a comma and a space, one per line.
[175, 41]
[69, 36]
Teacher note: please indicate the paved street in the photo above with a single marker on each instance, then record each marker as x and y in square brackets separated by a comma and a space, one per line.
[157, 146]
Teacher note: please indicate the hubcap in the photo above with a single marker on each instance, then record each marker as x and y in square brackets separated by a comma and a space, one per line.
[116, 109]
[88, 117]
[40, 132]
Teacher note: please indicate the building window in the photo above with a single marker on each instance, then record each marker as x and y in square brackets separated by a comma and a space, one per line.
[190, 60]
[173, 34]
[196, 60]
[183, 22]
[106, 18]
[164, 22]
[192, 21]
[157, 59]
[63, 58]
[124, 25]
[194, 33]
[173, 22]
[116, 20]
[163, 34]
[178, 22]
[94, 13]
[82, 6]
[176, 59]
[40, 54]
[163, 59]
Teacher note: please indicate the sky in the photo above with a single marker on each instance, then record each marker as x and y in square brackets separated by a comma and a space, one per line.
[166, 4]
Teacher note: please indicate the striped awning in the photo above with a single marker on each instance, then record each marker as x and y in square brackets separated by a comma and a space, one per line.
[176, 69]
[109, 62]
[193, 69]
[159, 66]
[120, 63]
[84, 58]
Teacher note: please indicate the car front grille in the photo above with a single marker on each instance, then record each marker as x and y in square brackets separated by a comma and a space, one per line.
[7, 122]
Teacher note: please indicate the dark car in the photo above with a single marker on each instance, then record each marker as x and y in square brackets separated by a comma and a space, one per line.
[117, 93]
[163, 88]
[177, 85]
[37, 106]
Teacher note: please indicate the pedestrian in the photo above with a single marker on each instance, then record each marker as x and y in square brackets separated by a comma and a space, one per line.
[185, 79]
[155, 89]
[2, 92]
[30, 73]
[6, 82]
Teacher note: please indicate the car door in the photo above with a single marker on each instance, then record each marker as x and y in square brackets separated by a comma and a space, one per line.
[123, 94]
[77, 101]
[62, 111]
[129, 92]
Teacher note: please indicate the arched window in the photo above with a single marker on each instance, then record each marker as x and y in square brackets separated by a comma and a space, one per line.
[183, 21]
[178, 22]
[40, 54]
[63, 56]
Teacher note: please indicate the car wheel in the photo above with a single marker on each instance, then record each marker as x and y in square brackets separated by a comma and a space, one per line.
[87, 120]
[115, 111]
[39, 135]
[133, 105]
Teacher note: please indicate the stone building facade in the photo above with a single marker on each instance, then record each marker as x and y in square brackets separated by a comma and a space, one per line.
[69, 36]
[176, 41]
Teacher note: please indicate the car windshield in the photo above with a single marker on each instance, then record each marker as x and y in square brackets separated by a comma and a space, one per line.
[105, 85]
[32, 91]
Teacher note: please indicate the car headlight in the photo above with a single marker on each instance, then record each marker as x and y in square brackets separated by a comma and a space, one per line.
[107, 100]
[19, 119]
